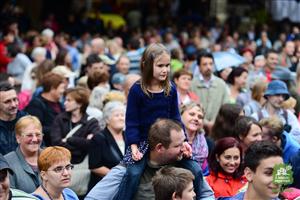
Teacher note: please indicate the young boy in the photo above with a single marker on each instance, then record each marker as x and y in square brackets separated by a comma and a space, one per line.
[171, 183]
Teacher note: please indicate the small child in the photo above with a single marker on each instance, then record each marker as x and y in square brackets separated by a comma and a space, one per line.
[153, 96]
[171, 183]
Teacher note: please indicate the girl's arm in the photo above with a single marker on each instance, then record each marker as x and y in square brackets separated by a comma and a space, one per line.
[132, 118]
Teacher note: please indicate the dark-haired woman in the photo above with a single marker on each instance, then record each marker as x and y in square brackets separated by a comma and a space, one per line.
[226, 172]
[237, 81]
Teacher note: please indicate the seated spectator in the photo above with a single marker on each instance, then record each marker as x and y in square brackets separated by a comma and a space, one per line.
[56, 172]
[247, 131]
[225, 120]
[74, 120]
[7, 193]
[166, 139]
[275, 95]
[23, 161]
[183, 81]
[98, 84]
[192, 115]
[18, 64]
[226, 171]
[46, 105]
[257, 98]
[123, 64]
[237, 80]
[107, 149]
[259, 162]
[9, 115]
[171, 183]
[273, 131]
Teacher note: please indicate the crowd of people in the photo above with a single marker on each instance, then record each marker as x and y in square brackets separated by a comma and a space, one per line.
[154, 117]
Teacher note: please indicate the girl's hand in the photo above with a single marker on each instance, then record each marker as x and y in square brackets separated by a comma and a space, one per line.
[136, 154]
[187, 150]
[89, 136]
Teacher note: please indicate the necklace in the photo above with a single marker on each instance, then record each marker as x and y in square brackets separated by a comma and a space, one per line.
[47, 192]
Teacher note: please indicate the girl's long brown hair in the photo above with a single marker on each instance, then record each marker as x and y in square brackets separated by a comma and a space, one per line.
[150, 54]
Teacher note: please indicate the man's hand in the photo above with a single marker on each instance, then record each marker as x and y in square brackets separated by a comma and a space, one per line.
[187, 150]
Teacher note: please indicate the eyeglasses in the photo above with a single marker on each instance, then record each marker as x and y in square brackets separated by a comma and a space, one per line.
[61, 169]
[31, 135]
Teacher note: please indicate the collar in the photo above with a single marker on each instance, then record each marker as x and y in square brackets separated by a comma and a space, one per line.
[67, 117]
[24, 164]
[207, 84]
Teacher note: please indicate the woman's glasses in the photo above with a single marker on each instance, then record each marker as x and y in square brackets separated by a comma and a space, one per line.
[61, 169]
[31, 135]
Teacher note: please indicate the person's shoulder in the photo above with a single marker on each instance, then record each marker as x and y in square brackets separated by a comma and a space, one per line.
[136, 88]
[19, 194]
[238, 196]
[21, 113]
[11, 155]
[219, 81]
[70, 194]
[99, 138]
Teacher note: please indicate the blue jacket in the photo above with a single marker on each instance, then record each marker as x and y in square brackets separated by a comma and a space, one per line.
[8, 140]
[289, 145]
[294, 161]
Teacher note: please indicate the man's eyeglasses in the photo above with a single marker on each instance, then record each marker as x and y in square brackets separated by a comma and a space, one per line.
[31, 135]
[60, 169]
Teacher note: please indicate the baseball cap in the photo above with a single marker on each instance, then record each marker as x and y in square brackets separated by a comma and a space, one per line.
[4, 164]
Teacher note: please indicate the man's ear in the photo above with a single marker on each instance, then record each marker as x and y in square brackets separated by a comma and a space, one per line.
[248, 174]
[275, 139]
[159, 147]
[174, 196]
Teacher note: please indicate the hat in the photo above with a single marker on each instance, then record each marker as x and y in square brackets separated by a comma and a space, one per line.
[118, 78]
[63, 71]
[277, 87]
[4, 164]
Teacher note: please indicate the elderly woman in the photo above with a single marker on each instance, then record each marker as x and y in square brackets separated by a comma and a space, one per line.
[107, 149]
[192, 115]
[23, 161]
[73, 128]
[55, 170]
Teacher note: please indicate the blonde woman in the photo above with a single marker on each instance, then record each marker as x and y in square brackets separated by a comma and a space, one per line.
[23, 161]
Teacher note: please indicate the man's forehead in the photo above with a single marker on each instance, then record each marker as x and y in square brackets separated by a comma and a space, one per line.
[269, 163]
[7, 94]
[177, 136]
[98, 64]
